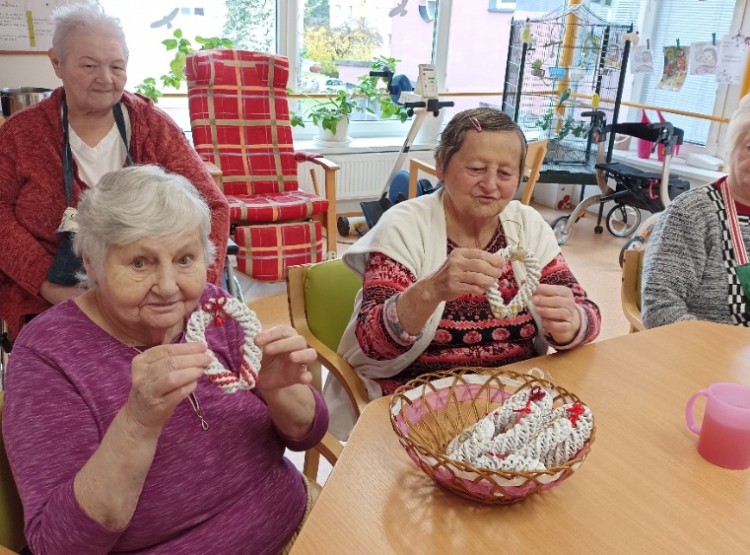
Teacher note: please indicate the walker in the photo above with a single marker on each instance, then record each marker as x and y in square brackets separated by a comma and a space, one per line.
[423, 101]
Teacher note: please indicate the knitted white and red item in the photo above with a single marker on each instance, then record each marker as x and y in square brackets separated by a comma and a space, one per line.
[524, 434]
[216, 310]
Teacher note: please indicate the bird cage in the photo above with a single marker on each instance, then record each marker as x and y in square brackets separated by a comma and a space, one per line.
[560, 66]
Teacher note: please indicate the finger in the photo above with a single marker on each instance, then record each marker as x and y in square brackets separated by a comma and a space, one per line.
[275, 333]
[283, 345]
[281, 379]
[173, 349]
[168, 383]
[556, 314]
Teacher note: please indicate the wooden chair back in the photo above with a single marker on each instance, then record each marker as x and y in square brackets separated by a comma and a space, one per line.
[535, 153]
[321, 301]
[631, 288]
[11, 510]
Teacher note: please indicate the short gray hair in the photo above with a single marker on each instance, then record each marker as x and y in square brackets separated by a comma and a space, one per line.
[135, 203]
[87, 14]
[739, 124]
[488, 119]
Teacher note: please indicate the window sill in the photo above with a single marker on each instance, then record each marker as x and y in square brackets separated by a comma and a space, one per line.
[361, 145]
[679, 166]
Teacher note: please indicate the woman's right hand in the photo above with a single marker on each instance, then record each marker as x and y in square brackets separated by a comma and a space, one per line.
[162, 377]
[465, 272]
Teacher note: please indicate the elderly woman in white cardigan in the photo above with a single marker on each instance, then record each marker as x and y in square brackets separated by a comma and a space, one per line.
[462, 277]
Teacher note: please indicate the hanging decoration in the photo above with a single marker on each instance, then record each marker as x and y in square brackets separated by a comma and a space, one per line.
[704, 58]
[732, 56]
[675, 67]
[643, 59]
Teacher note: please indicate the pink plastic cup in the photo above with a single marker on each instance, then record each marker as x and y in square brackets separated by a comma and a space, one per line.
[724, 435]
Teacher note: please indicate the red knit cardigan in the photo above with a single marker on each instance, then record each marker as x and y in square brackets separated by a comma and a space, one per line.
[32, 195]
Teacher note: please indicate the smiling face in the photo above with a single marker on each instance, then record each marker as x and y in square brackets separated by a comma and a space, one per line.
[93, 71]
[147, 289]
[482, 176]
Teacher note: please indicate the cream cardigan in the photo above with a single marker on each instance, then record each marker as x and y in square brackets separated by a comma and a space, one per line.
[414, 234]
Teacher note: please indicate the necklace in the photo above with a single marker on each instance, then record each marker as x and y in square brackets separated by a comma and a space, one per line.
[193, 403]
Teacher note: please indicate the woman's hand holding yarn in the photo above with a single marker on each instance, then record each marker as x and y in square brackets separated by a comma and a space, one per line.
[465, 272]
[286, 358]
[162, 377]
[558, 312]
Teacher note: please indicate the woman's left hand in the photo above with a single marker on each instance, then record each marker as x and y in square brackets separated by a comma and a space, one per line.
[285, 358]
[557, 309]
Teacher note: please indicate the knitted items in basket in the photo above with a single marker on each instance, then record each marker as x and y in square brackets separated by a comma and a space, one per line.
[524, 434]
[215, 310]
[522, 298]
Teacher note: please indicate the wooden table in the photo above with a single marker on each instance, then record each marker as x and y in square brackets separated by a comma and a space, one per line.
[643, 488]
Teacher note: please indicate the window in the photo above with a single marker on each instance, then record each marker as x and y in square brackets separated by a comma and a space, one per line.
[663, 23]
[501, 6]
[466, 40]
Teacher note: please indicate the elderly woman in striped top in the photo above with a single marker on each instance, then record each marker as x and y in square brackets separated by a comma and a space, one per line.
[462, 277]
[696, 264]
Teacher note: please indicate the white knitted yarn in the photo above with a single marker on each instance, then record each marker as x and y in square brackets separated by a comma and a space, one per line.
[538, 438]
[525, 291]
[491, 429]
[213, 310]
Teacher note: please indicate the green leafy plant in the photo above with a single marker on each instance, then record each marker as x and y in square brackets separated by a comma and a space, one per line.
[373, 89]
[176, 74]
[536, 64]
[327, 112]
[330, 111]
[569, 126]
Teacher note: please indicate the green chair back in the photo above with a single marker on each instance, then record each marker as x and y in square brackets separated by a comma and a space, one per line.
[330, 289]
[11, 511]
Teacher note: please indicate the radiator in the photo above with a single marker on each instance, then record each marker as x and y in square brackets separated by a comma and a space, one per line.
[362, 175]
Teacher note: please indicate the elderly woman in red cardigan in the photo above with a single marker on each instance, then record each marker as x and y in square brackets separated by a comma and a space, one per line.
[53, 151]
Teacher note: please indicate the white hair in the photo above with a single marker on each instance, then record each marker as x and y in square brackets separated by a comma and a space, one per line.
[135, 203]
[739, 124]
[83, 14]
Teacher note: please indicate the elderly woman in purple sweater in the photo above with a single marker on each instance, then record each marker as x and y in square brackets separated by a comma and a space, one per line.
[117, 440]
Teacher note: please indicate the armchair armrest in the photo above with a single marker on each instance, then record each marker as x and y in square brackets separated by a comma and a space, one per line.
[329, 179]
[216, 174]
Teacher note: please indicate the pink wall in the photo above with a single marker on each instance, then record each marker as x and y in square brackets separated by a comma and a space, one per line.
[477, 52]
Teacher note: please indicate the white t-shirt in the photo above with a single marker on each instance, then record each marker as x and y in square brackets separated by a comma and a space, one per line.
[108, 155]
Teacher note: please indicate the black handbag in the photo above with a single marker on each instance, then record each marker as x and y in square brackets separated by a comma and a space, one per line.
[66, 266]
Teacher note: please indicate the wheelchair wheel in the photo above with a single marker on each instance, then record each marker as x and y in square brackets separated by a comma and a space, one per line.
[558, 226]
[637, 243]
[623, 220]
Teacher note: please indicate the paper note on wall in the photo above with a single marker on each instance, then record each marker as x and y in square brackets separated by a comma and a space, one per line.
[26, 24]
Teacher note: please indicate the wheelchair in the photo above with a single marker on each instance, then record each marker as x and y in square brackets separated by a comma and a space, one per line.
[635, 189]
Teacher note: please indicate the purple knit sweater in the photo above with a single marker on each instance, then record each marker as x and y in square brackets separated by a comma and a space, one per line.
[225, 490]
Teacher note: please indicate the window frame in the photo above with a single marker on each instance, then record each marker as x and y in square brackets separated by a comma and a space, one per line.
[501, 6]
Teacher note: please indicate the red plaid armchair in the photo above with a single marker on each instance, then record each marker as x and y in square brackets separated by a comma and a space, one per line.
[239, 115]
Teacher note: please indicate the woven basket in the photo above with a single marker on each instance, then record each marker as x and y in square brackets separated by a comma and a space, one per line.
[429, 411]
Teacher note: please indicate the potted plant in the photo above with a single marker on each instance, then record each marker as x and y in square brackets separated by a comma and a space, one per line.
[536, 68]
[331, 115]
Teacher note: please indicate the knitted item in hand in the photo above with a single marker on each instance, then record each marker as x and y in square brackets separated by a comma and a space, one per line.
[215, 310]
[522, 298]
